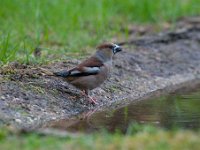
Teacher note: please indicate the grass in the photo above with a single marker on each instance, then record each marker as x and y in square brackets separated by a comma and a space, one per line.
[71, 28]
[140, 137]
[65, 29]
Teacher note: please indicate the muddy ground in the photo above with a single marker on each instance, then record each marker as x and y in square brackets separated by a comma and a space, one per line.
[165, 61]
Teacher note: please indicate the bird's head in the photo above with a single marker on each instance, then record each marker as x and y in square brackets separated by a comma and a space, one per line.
[107, 50]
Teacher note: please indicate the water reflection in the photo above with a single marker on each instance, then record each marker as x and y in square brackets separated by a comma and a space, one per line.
[181, 110]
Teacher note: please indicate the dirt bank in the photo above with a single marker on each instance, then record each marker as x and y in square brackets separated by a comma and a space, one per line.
[30, 98]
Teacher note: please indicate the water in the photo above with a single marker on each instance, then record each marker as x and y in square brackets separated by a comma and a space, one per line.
[175, 110]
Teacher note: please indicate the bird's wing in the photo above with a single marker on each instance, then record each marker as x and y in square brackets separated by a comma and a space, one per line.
[90, 66]
[85, 71]
[63, 73]
[91, 62]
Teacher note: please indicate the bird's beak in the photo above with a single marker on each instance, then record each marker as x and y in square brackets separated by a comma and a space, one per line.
[117, 49]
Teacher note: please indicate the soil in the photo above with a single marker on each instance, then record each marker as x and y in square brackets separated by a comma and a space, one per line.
[30, 97]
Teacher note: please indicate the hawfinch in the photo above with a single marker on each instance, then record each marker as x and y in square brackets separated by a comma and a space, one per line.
[93, 71]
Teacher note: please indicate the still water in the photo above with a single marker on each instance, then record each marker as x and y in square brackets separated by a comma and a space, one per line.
[175, 110]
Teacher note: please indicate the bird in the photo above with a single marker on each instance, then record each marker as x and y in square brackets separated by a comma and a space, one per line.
[92, 72]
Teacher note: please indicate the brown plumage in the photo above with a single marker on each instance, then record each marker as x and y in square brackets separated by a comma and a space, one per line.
[92, 72]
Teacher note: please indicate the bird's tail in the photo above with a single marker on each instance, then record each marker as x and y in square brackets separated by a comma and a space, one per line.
[63, 73]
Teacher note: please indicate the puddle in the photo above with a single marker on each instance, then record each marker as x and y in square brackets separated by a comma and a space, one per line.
[175, 110]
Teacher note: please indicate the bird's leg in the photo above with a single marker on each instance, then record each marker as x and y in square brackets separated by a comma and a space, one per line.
[91, 99]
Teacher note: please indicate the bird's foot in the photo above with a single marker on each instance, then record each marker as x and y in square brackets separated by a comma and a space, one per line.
[92, 99]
